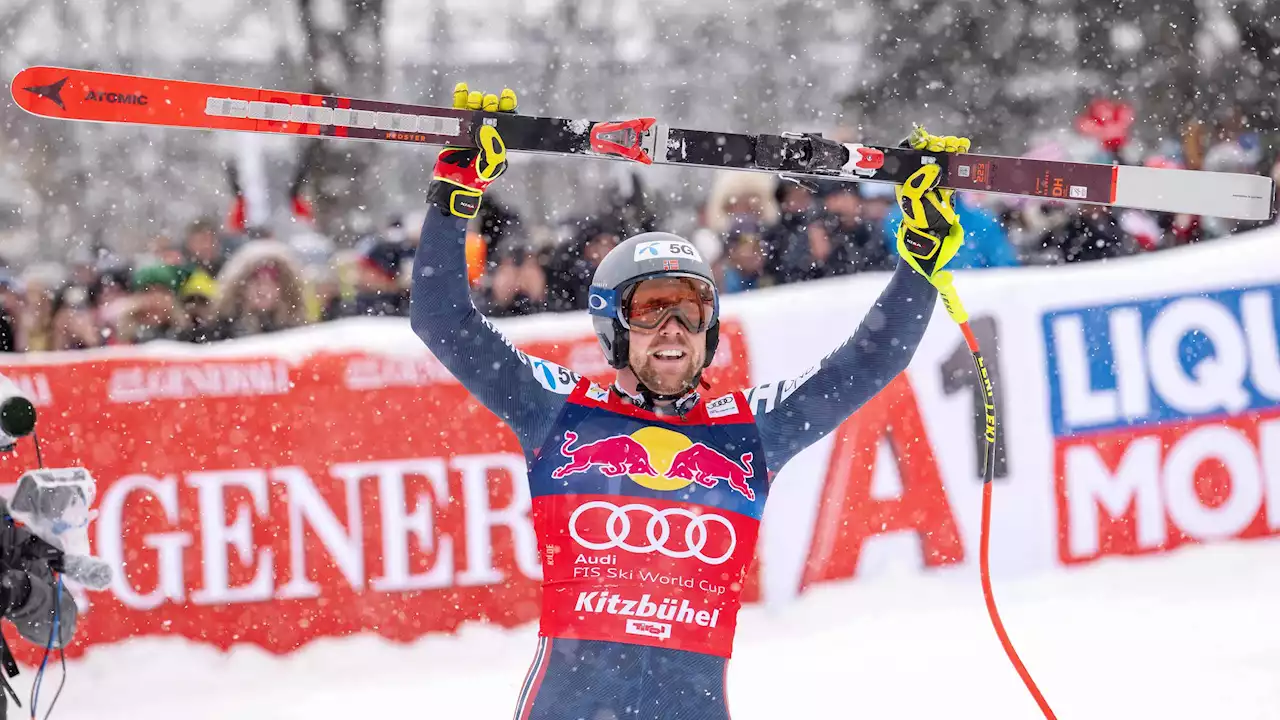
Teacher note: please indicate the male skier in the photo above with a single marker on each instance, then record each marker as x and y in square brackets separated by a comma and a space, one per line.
[647, 497]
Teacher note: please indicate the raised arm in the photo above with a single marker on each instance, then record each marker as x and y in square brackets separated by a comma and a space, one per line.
[796, 413]
[526, 392]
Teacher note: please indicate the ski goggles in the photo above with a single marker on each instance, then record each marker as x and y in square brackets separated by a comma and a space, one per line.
[648, 304]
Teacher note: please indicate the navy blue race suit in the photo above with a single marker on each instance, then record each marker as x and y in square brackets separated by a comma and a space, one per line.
[646, 523]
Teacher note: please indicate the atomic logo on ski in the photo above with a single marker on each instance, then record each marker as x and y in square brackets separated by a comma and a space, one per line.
[117, 98]
[52, 92]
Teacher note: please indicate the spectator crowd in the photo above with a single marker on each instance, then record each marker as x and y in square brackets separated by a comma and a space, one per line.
[756, 230]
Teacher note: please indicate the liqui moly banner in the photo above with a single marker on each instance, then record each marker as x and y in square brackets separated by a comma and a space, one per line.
[1166, 419]
[1162, 399]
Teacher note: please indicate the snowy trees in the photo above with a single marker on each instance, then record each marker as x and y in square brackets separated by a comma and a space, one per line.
[1002, 70]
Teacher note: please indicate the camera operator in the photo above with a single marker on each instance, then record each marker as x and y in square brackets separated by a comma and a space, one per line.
[31, 597]
[43, 538]
[28, 589]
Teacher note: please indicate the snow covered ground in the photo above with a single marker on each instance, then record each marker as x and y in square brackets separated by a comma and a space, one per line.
[1194, 634]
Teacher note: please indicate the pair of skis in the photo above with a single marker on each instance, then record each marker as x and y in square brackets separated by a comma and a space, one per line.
[85, 95]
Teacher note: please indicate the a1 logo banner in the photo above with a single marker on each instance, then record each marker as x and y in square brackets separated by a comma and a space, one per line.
[850, 513]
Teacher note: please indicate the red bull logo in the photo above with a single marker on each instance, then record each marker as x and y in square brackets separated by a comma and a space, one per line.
[615, 455]
[657, 458]
[708, 467]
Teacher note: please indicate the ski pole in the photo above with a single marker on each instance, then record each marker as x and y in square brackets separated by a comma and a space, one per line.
[955, 308]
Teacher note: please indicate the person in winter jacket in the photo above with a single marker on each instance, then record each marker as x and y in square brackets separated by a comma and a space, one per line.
[261, 291]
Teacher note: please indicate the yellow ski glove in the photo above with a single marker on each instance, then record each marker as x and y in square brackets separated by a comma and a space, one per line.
[930, 232]
[463, 174]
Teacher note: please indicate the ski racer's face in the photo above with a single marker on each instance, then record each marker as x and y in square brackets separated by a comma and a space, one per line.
[668, 319]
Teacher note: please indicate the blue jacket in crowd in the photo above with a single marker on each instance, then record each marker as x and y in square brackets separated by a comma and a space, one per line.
[986, 244]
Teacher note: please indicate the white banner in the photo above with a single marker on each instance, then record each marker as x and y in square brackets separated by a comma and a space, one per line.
[1138, 403]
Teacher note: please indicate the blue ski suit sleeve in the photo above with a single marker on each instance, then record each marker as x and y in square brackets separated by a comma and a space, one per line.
[524, 391]
[795, 413]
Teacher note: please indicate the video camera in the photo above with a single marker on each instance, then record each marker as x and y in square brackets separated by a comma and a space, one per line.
[54, 505]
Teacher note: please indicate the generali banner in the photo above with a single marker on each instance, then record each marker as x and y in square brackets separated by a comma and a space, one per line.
[272, 500]
[338, 480]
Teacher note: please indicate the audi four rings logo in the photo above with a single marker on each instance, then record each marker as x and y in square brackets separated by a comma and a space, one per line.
[657, 530]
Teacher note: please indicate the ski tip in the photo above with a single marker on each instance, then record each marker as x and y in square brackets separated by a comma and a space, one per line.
[39, 89]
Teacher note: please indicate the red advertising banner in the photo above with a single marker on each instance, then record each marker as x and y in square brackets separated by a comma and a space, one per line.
[265, 501]
[1155, 489]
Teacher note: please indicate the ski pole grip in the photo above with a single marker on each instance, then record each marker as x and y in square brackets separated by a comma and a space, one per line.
[950, 298]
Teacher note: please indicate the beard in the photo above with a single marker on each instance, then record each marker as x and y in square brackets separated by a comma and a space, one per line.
[666, 377]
